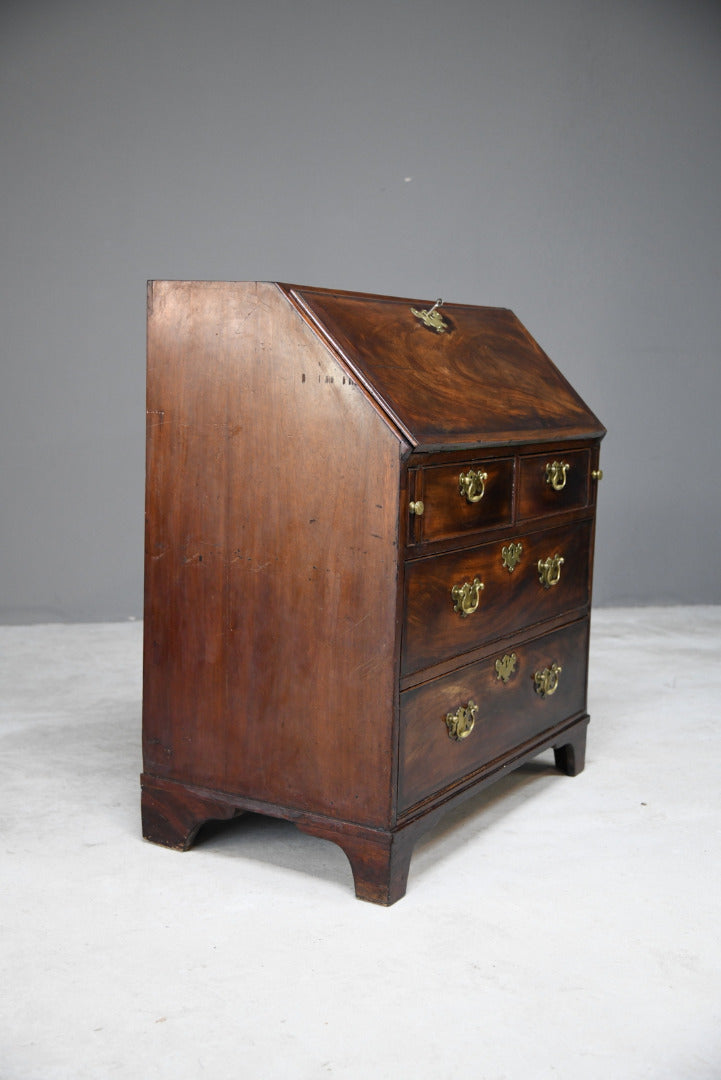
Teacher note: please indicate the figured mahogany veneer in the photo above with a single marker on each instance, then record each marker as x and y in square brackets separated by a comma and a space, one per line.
[509, 600]
[510, 713]
[306, 525]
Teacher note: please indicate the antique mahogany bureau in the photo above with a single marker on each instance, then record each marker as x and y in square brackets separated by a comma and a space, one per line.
[368, 561]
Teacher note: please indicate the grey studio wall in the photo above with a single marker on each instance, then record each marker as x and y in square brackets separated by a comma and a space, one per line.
[558, 157]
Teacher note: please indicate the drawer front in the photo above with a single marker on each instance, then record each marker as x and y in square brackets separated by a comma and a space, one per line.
[553, 482]
[460, 498]
[454, 725]
[458, 601]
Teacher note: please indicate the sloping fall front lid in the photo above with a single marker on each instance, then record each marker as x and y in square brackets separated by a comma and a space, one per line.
[474, 378]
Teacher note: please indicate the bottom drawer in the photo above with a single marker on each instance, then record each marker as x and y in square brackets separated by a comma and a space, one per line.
[453, 725]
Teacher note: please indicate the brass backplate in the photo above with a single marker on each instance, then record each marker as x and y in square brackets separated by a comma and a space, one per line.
[506, 666]
[511, 555]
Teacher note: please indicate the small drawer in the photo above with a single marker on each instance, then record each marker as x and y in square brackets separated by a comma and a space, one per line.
[452, 726]
[457, 601]
[460, 498]
[549, 483]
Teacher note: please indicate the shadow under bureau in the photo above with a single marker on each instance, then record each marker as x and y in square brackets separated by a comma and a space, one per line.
[368, 563]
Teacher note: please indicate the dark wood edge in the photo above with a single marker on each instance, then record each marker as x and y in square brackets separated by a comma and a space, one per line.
[220, 799]
[464, 454]
[424, 549]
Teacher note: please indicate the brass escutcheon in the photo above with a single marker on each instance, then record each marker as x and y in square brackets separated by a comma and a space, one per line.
[466, 597]
[506, 666]
[461, 722]
[549, 570]
[546, 681]
[472, 485]
[511, 554]
[556, 474]
[431, 317]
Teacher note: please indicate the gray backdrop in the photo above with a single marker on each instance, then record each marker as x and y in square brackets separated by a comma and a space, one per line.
[558, 157]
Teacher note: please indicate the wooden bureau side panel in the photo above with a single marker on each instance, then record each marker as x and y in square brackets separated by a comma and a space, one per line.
[509, 713]
[509, 601]
[185, 521]
[271, 558]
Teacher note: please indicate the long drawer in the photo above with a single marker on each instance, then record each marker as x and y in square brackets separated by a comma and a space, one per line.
[453, 725]
[458, 601]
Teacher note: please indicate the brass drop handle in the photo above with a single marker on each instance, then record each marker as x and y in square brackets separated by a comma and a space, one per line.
[549, 570]
[460, 723]
[546, 681]
[556, 472]
[466, 597]
[472, 485]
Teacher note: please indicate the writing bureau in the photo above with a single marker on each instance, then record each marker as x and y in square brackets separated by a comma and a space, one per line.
[368, 563]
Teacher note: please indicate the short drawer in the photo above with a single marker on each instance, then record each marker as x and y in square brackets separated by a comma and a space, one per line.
[460, 498]
[550, 483]
[452, 726]
[458, 601]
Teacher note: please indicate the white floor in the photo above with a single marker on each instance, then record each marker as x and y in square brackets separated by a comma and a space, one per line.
[553, 927]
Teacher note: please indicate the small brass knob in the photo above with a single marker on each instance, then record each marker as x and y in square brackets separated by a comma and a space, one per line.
[597, 474]
[417, 507]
